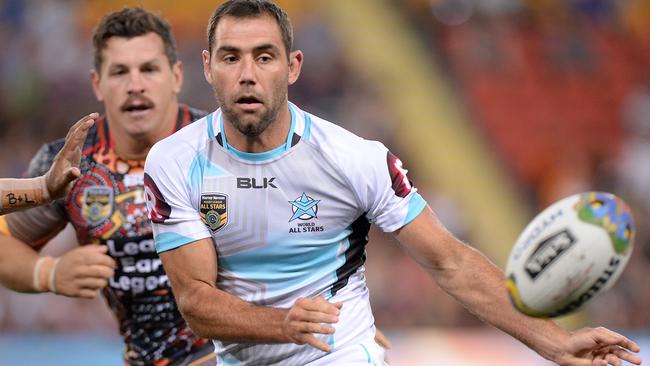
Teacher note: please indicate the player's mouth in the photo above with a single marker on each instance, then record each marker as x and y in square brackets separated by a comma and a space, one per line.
[137, 107]
[249, 103]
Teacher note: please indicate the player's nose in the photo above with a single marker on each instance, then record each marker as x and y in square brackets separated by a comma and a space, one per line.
[136, 83]
[247, 73]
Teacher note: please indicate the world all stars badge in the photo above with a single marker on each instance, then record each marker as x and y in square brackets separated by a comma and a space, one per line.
[304, 208]
[214, 210]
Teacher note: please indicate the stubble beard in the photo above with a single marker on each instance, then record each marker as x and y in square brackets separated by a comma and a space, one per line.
[255, 128]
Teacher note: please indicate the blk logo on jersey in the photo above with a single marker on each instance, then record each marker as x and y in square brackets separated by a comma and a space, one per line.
[252, 183]
[304, 208]
[214, 210]
[401, 184]
[159, 209]
[97, 204]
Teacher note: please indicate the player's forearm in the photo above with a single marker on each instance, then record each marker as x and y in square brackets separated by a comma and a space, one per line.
[17, 266]
[215, 314]
[479, 285]
[17, 194]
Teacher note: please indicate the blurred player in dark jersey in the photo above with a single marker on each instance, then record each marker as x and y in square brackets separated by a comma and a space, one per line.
[137, 77]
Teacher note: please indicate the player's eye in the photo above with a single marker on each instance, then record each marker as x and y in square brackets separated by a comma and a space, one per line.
[231, 59]
[149, 68]
[264, 58]
[117, 72]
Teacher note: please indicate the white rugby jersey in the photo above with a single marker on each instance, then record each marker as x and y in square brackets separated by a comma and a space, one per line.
[288, 223]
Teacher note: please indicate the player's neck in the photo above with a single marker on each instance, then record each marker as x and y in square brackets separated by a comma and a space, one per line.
[135, 147]
[274, 136]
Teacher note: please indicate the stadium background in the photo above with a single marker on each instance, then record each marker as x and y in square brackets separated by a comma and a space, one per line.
[497, 108]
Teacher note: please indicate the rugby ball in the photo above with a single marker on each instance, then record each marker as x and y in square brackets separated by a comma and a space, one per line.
[572, 251]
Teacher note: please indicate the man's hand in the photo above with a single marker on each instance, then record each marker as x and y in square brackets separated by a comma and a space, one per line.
[83, 271]
[307, 317]
[598, 347]
[65, 168]
[381, 339]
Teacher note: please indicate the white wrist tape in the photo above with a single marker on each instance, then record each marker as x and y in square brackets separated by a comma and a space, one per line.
[39, 278]
[52, 279]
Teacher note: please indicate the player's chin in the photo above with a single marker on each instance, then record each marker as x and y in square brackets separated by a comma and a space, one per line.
[140, 127]
[251, 128]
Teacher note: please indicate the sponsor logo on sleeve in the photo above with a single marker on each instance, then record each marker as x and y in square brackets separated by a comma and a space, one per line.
[159, 209]
[401, 184]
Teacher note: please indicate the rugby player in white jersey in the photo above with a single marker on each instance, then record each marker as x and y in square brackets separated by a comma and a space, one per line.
[261, 213]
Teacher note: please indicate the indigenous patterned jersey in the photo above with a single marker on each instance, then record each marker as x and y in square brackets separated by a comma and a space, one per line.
[288, 223]
[106, 206]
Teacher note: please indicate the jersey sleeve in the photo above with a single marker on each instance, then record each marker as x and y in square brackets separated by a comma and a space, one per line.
[175, 219]
[387, 195]
[35, 226]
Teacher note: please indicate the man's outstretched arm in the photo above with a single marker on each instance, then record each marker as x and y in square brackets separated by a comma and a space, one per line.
[213, 313]
[17, 194]
[478, 284]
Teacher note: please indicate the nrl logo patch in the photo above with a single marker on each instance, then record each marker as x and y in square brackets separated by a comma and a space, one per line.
[214, 210]
[97, 204]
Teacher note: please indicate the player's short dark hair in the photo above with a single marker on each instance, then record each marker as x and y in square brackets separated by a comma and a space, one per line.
[249, 9]
[132, 22]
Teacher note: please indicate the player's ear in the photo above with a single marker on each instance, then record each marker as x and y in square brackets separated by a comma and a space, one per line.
[206, 66]
[94, 80]
[177, 70]
[295, 65]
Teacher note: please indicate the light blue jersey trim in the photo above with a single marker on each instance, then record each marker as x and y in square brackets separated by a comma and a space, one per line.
[287, 143]
[289, 264]
[201, 168]
[258, 156]
[416, 205]
[169, 241]
[267, 155]
[229, 360]
[210, 118]
[307, 132]
[367, 353]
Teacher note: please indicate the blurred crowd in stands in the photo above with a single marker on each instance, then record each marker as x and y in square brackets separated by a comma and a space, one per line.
[559, 88]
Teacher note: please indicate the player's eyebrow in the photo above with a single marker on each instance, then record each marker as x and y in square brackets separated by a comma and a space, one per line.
[266, 48]
[119, 64]
[269, 47]
[226, 48]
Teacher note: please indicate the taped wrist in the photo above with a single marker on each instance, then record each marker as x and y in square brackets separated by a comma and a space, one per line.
[41, 273]
[23, 193]
[44, 274]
